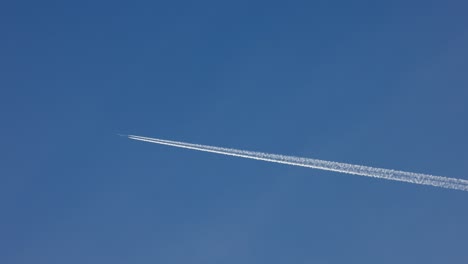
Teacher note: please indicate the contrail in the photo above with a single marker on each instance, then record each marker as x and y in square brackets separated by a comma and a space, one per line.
[395, 175]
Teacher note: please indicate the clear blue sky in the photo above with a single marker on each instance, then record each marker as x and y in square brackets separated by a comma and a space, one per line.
[379, 83]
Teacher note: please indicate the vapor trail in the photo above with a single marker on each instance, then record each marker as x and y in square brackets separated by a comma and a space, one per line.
[395, 175]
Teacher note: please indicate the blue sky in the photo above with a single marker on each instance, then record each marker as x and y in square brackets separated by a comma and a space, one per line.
[382, 84]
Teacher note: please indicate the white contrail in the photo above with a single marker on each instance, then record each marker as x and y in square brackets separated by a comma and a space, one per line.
[417, 178]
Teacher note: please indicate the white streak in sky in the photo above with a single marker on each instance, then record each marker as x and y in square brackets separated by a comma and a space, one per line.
[395, 175]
